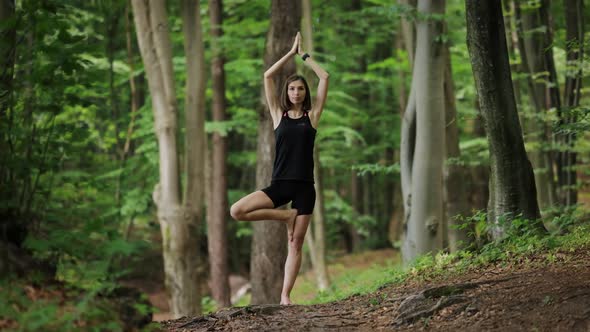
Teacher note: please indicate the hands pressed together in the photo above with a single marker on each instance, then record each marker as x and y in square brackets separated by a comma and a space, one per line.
[297, 49]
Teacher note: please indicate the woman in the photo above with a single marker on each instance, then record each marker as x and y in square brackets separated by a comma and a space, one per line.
[294, 122]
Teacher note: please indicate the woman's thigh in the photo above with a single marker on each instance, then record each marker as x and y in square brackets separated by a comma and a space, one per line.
[254, 201]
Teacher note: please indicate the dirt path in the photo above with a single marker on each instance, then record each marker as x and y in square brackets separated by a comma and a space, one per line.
[526, 296]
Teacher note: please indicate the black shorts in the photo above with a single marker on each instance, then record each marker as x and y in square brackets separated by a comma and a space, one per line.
[302, 195]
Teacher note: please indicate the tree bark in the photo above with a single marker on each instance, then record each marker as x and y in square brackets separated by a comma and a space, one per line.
[7, 56]
[533, 47]
[316, 237]
[512, 185]
[269, 249]
[424, 224]
[408, 30]
[567, 176]
[217, 219]
[194, 109]
[179, 225]
[454, 176]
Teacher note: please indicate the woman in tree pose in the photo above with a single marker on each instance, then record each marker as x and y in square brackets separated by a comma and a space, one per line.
[294, 121]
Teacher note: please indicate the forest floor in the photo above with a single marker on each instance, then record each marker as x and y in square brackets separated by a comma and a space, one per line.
[540, 292]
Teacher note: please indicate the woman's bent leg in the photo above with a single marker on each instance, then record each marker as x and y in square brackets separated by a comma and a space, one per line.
[258, 206]
[293, 262]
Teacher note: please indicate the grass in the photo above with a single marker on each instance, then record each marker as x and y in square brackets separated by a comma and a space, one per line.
[352, 279]
[351, 274]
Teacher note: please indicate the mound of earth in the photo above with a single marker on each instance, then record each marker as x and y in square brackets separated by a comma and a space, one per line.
[530, 295]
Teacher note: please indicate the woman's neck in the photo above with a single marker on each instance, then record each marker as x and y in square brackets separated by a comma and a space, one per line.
[297, 108]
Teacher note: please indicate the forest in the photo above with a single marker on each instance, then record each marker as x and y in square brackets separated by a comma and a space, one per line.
[453, 144]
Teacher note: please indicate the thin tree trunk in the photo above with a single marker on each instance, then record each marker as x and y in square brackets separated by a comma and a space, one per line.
[355, 238]
[424, 229]
[268, 242]
[408, 127]
[112, 20]
[7, 58]
[316, 238]
[408, 29]
[397, 212]
[571, 97]
[533, 49]
[455, 185]
[136, 101]
[217, 220]
[194, 109]
[512, 185]
[179, 227]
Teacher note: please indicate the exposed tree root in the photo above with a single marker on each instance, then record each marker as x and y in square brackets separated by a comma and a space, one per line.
[228, 314]
[429, 301]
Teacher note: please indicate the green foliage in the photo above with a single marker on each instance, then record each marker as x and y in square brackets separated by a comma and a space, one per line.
[376, 169]
[513, 249]
[339, 213]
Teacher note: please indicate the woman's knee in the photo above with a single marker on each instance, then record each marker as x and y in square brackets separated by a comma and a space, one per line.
[236, 211]
[297, 243]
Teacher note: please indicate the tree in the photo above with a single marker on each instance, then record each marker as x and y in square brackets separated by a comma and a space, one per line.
[422, 175]
[217, 210]
[268, 243]
[535, 44]
[454, 175]
[512, 185]
[179, 220]
[316, 237]
[567, 177]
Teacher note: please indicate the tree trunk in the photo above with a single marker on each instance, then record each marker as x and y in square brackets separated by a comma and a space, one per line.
[408, 29]
[455, 185]
[480, 174]
[426, 217]
[179, 227]
[194, 108]
[354, 239]
[217, 227]
[571, 98]
[533, 46]
[269, 249]
[512, 185]
[7, 56]
[316, 238]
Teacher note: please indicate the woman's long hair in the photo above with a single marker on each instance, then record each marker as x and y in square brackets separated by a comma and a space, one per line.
[286, 103]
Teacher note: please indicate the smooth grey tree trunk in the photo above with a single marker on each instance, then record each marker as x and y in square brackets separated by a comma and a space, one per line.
[512, 185]
[455, 184]
[269, 240]
[178, 223]
[218, 207]
[425, 212]
[574, 11]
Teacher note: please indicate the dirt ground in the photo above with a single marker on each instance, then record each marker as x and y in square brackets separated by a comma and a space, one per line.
[532, 295]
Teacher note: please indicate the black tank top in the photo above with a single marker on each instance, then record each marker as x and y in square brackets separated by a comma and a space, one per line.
[294, 149]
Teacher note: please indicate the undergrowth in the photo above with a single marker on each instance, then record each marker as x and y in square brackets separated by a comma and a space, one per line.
[520, 246]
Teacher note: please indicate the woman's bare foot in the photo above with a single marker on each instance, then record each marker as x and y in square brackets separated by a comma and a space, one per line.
[291, 223]
[285, 300]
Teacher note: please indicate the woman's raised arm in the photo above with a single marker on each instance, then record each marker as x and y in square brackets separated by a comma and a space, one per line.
[322, 91]
[269, 84]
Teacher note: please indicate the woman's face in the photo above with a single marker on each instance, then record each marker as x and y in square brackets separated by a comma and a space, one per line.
[296, 92]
